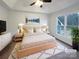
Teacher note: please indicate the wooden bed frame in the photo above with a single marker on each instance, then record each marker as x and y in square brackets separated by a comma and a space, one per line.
[34, 49]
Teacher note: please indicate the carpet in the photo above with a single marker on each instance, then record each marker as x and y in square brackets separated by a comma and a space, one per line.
[40, 55]
[64, 55]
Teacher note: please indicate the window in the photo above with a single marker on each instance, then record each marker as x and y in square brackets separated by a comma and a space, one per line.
[65, 23]
[60, 25]
[72, 21]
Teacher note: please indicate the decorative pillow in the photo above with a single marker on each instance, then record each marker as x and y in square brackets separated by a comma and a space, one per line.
[28, 29]
[44, 28]
[37, 29]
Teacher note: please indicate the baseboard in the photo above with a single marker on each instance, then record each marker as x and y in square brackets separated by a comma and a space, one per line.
[63, 42]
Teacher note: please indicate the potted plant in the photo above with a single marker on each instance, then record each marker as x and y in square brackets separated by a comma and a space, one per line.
[75, 38]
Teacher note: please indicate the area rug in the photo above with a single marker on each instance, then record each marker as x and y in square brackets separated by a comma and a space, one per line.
[40, 55]
[64, 55]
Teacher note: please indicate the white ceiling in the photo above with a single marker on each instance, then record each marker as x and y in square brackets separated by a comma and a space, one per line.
[55, 5]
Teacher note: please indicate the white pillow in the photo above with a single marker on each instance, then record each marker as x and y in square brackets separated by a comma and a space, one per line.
[30, 29]
[44, 29]
[38, 29]
[5, 39]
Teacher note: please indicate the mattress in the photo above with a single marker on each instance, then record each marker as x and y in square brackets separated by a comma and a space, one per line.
[36, 39]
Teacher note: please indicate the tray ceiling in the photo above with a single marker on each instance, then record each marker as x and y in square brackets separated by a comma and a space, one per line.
[55, 5]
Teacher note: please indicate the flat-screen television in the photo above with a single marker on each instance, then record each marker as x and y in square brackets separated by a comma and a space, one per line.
[2, 26]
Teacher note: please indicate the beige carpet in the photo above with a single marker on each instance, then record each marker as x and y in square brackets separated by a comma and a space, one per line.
[40, 55]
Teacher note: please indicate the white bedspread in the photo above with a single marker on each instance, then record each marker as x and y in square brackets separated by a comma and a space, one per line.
[36, 38]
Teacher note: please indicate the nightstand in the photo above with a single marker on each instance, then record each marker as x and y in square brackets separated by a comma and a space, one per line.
[18, 37]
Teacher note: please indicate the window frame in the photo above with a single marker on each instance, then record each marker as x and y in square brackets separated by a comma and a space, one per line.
[65, 24]
[57, 25]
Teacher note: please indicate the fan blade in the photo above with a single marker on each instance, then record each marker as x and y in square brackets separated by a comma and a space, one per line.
[32, 3]
[41, 6]
[47, 0]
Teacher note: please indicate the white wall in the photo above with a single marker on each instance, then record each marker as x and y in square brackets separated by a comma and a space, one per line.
[16, 17]
[52, 21]
[3, 13]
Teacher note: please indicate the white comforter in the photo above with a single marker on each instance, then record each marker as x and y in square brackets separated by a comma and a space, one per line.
[37, 37]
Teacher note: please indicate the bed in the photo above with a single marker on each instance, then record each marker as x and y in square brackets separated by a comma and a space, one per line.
[36, 38]
[35, 42]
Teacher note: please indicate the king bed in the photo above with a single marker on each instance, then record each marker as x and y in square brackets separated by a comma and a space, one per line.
[36, 38]
[35, 42]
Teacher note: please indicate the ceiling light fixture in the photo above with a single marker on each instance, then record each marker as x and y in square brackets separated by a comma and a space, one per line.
[39, 3]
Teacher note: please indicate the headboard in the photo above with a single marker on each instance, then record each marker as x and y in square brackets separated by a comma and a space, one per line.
[35, 27]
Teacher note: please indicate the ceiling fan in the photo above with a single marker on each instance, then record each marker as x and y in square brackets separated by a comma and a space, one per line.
[40, 2]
